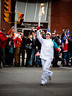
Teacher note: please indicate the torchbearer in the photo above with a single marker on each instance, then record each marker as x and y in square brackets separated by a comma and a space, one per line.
[46, 55]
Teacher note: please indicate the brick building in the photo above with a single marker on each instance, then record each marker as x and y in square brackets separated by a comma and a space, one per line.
[59, 14]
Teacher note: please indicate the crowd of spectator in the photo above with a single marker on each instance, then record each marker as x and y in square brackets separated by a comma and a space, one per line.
[14, 45]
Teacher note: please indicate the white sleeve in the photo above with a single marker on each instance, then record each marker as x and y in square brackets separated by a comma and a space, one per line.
[39, 37]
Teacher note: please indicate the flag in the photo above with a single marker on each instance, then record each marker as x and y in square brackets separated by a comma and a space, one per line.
[55, 31]
[65, 36]
[71, 36]
[48, 30]
[37, 54]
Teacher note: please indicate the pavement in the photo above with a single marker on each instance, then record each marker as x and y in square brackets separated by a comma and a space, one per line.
[22, 81]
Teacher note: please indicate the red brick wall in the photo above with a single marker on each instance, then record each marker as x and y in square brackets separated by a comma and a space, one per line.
[61, 15]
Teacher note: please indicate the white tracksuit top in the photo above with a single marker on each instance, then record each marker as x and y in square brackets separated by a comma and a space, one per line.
[47, 50]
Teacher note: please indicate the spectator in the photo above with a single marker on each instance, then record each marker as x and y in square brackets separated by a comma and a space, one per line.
[56, 53]
[28, 47]
[70, 50]
[31, 61]
[65, 58]
[17, 46]
[11, 50]
[23, 48]
[3, 41]
[37, 55]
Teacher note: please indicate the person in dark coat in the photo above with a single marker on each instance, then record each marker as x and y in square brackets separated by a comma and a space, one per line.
[28, 47]
[56, 53]
[23, 48]
[37, 55]
[32, 58]
[70, 50]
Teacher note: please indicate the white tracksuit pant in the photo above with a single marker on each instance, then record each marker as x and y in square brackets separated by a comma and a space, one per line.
[46, 70]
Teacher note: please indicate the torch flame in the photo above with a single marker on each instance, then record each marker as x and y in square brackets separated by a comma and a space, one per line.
[42, 4]
[42, 8]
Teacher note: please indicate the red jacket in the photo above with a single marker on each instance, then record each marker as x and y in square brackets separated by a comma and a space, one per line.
[3, 40]
[17, 41]
[65, 46]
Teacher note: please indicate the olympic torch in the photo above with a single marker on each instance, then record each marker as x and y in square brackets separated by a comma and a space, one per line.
[41, 12]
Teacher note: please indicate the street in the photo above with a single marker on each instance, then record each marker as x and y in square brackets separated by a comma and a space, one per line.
[21, 81]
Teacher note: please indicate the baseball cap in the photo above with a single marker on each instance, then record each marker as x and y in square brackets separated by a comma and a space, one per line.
[48, 33]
